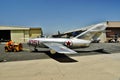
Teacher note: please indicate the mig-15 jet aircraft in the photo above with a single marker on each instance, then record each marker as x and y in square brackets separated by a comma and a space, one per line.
[65, 45]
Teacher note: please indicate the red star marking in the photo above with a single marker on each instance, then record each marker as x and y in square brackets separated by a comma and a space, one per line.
[68, 43]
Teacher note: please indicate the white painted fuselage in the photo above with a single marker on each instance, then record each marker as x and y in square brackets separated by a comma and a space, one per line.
[72, 43]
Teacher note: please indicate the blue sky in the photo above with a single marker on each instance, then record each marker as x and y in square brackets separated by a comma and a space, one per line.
[54, 15]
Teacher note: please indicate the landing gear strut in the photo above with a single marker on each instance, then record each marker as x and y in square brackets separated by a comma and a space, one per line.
[36, 50]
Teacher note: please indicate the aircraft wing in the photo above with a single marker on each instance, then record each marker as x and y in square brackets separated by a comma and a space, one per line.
[59, 48]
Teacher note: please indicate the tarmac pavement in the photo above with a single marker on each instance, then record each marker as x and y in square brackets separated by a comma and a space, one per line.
[94, 49]
[97, 62]
[91, 67]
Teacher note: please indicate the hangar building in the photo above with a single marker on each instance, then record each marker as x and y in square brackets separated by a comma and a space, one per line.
[18, 34]
[112, 30]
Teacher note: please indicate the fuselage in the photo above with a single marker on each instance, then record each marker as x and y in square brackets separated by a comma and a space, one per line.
[72, 43]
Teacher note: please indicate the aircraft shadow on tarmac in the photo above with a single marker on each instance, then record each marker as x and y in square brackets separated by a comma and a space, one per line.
[101, 51]
[61, 58]
[66, 59]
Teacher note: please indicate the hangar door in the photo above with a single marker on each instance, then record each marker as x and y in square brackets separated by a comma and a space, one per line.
[19, 35]
[5, 35]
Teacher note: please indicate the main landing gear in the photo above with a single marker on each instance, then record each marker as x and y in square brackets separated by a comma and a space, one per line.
[35, 49]
[52, 51]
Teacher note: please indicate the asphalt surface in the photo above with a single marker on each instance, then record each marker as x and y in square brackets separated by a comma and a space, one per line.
[97, 62]
[26, 54]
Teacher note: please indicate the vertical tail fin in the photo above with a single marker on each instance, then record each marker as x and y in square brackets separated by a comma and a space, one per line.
[93, 33]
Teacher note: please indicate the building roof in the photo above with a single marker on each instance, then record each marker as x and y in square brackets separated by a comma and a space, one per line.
[113, 24]
[80, 29]
[77, 30]
[15, 28]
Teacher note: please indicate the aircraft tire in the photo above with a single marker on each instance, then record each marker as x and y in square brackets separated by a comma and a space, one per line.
[52, 51]
[6, 49]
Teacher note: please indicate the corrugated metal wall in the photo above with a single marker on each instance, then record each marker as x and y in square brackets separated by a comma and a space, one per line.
[19, 35]
[34, 33]
[24, 35]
